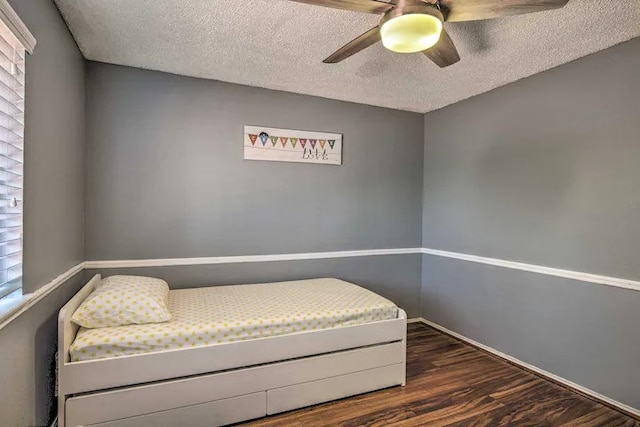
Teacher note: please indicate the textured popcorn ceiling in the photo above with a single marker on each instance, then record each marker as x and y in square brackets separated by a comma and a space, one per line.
[279, 44]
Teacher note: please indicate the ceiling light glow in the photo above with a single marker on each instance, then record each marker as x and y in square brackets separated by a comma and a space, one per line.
[411, 33]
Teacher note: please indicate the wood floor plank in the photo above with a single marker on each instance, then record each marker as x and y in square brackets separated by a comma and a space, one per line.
[452, 414]
[450, 383]
[602, 417]
[502, 417]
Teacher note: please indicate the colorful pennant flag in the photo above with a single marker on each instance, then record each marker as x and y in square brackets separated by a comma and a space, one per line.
[332, 142]
[322, 143]
[283, 140]
[274, 140]
[303, 142]
[253, 139]
[294, 141]
[264, 137]
[313, 142]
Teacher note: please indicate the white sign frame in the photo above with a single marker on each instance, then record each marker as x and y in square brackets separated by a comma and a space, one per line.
[287, 145]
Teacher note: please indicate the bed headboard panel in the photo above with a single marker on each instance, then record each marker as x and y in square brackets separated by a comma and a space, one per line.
[66, 328]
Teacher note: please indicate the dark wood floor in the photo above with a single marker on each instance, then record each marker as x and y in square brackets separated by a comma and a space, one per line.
[450, 383]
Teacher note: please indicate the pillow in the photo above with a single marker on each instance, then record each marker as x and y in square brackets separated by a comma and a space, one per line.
[124, 300]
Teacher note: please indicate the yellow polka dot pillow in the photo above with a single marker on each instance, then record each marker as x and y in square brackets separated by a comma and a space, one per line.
[125, 300]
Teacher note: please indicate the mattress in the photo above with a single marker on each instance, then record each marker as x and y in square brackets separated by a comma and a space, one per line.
[222, 314]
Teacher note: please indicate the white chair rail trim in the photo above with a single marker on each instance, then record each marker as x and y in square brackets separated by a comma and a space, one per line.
[532, 268]
[20, 305]
[24, 302]
[239, 259]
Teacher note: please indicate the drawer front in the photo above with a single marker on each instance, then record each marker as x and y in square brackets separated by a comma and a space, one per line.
[133, 401]
[216, 413]
[314, 392]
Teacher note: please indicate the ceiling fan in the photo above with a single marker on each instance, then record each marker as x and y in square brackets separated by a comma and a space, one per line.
[411, 26]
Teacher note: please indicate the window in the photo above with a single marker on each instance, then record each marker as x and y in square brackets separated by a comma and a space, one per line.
[11, 160]
[15, 40]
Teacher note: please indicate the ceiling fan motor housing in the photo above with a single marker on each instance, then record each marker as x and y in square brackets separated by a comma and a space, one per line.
[412, 26]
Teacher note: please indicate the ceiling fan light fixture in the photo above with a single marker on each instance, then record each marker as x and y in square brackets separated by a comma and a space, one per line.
[411, 33]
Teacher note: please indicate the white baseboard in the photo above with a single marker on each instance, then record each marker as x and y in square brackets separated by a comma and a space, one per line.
[541, 372]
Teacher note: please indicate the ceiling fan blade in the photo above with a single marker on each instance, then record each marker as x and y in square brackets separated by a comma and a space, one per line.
[354, 46]
[368, 6]
[475, 10]
[444, 53]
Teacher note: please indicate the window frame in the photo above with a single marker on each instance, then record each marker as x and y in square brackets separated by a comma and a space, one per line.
[17, 41]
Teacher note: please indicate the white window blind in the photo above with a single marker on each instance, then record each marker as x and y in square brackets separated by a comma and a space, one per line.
[12, 71]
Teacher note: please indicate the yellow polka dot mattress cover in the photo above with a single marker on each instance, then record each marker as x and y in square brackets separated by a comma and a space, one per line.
[222, 314]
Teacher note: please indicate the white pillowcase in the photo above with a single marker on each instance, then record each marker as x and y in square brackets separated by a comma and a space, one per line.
[124, 300]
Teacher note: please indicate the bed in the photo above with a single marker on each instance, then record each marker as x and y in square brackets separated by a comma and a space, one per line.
[230, 354]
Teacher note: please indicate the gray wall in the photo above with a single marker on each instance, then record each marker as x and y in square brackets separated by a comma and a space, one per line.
[396, 277]
[54, 204]
[27, 354]
[166, 177]
[582, 332]
[54, 147]
[543, 171]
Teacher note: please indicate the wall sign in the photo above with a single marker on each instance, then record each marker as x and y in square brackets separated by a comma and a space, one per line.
[285, 145]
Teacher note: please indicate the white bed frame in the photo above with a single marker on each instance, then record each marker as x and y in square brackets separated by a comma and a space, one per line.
[225, 383]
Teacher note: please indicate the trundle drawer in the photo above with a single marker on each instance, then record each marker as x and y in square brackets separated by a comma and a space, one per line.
[216, 413]
[127, 402]
[314, 392]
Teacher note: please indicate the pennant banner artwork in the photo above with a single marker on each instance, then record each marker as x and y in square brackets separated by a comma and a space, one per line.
[295, 146]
